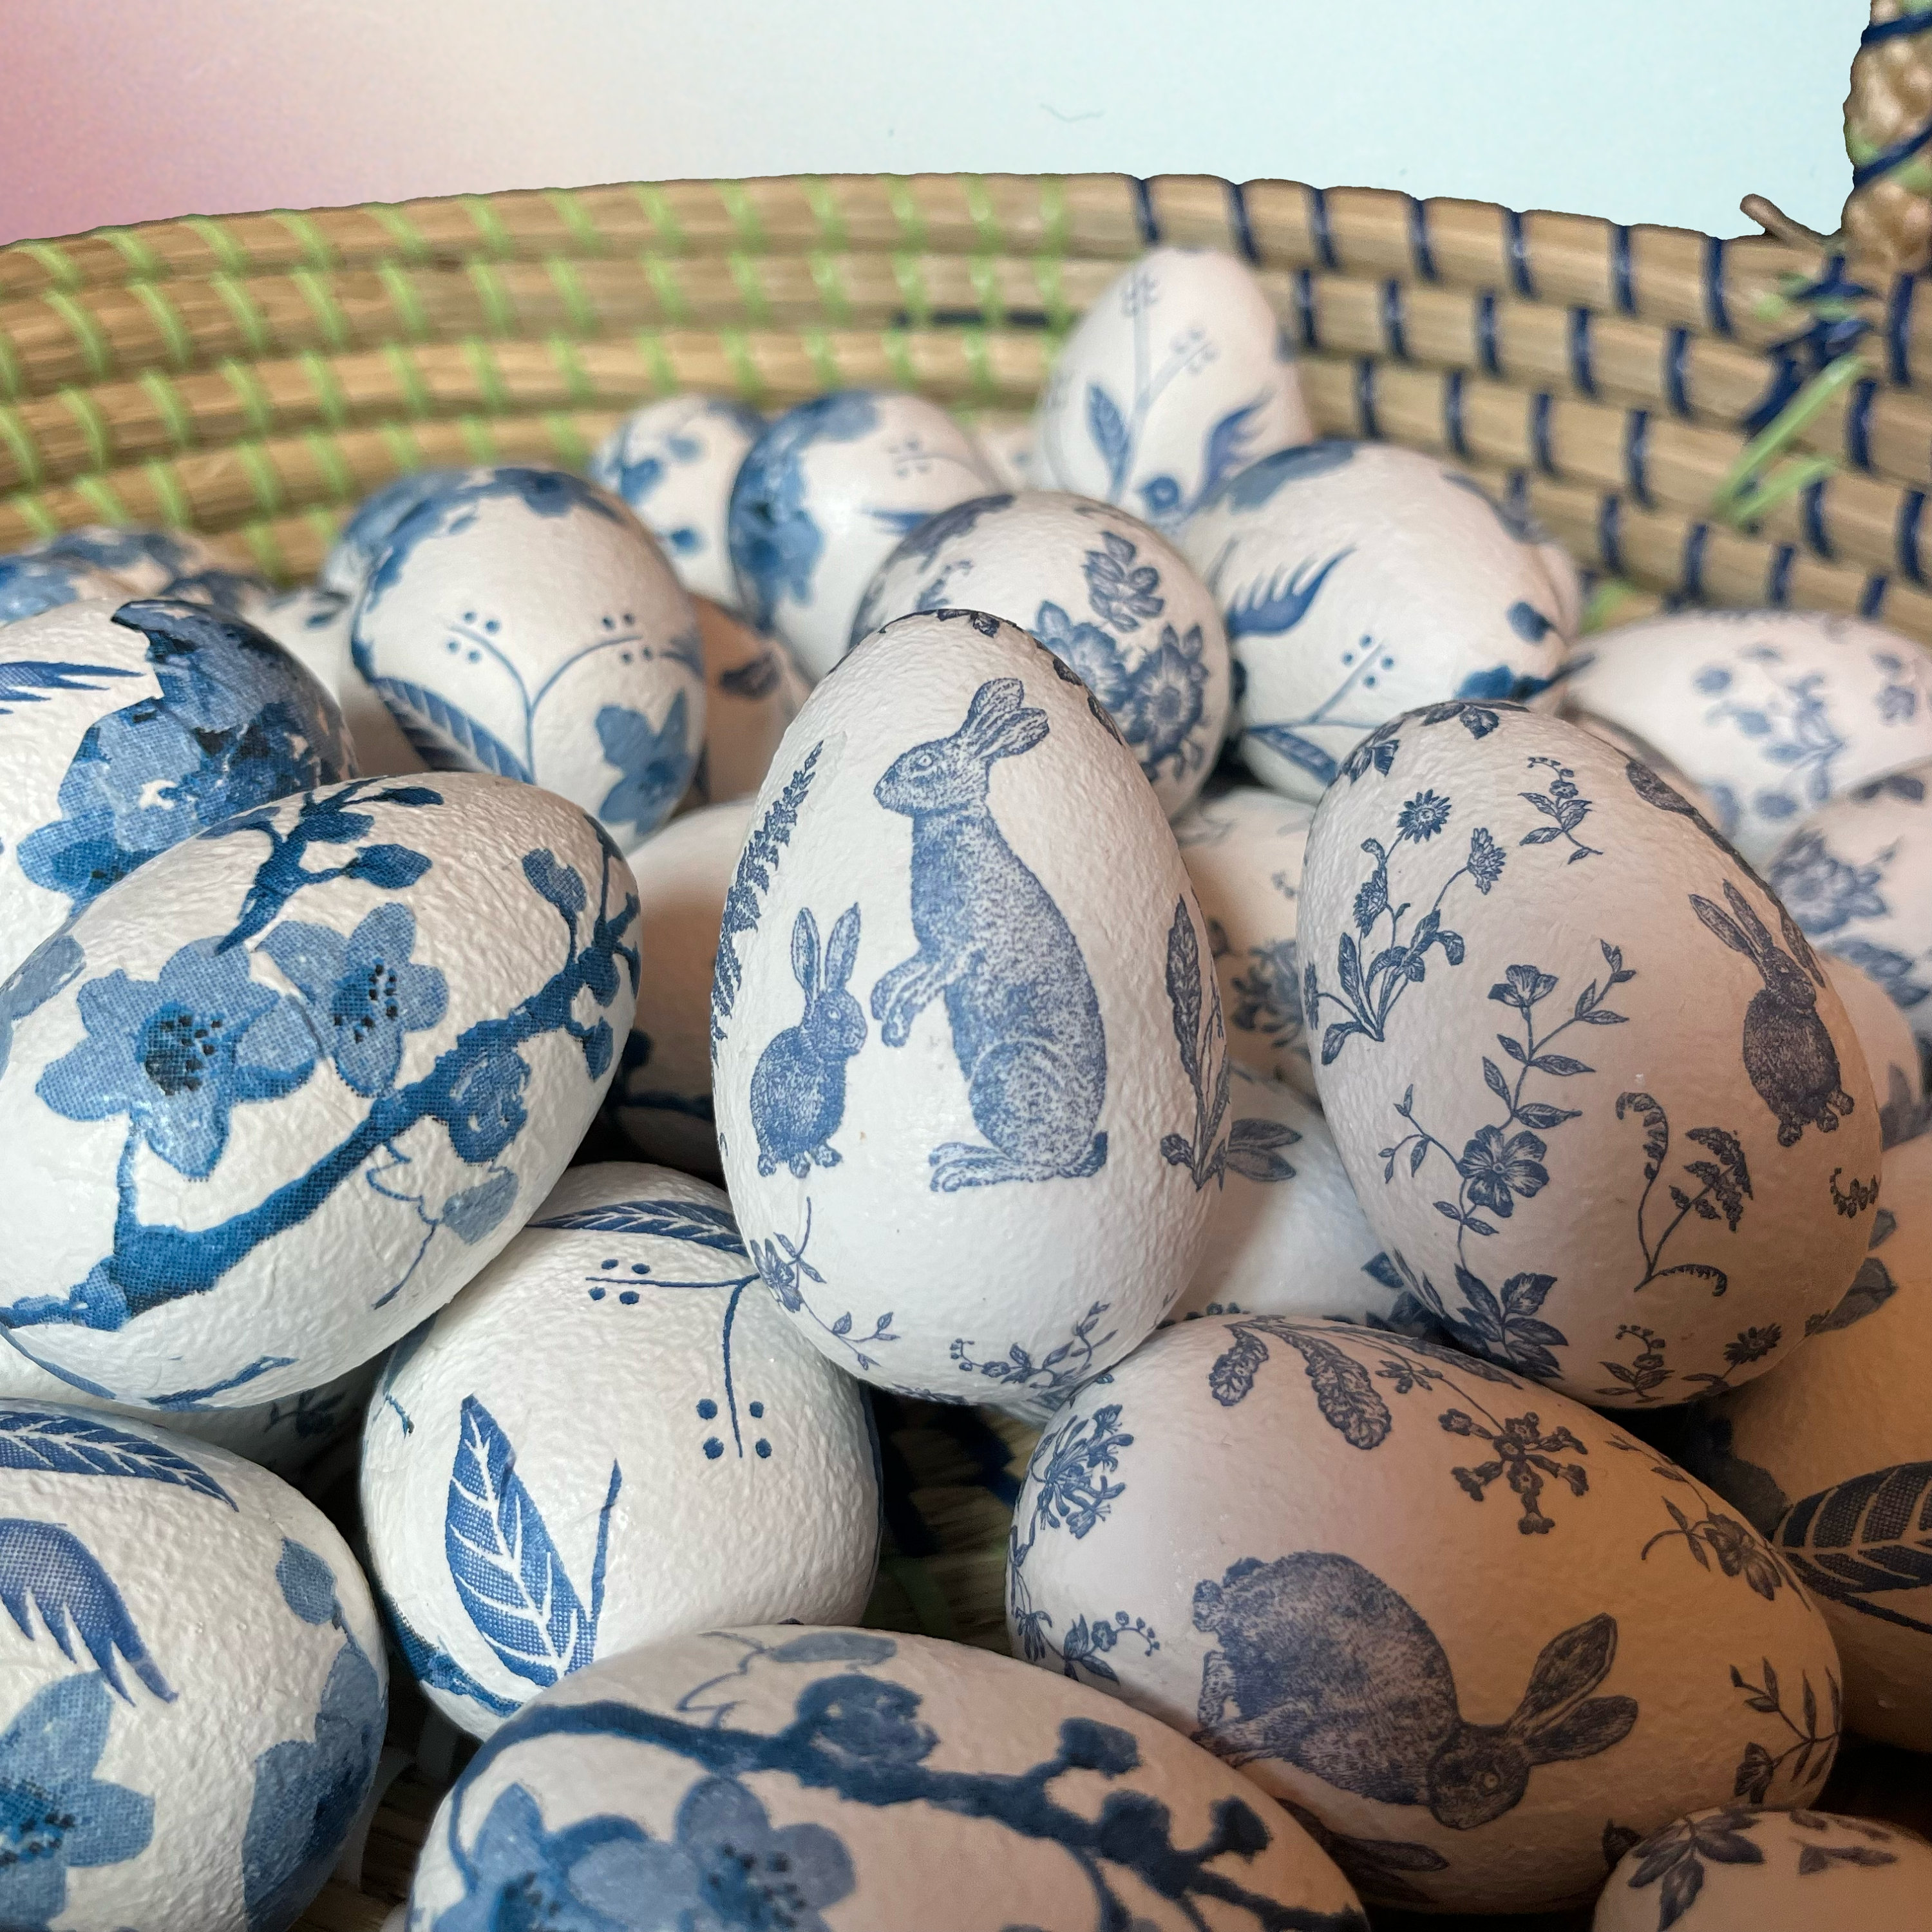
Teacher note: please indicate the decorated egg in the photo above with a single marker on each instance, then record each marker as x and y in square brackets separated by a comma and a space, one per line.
[967, 1045]
[1006, 450]
[752, 691]
[661, 1098]
[1243, 848]
[813, 1778]
[1457, 1622]
[195, 1688]
[1770, 712]
[1831, 1458]
[1747, 1868]
[159, 563]
[364, 538]
[1103, 593]
[126, 729]
[314, 626]
[1632, 746]
[822, 498]
[1892, 1054]
[1178, 375]
[674, 462]
[612, 1436]
[1592, 1085]
[1857, 878]
[1357, 580]
[294, 1082]
[29, 585]
[1566, 581]
[524, 622]
[1287, 1235]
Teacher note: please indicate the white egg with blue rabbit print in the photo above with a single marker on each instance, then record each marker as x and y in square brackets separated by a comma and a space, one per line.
[1102, 591]
[967, 1042]
[1178, 376]
[294, 1082]
[1893, 1056]
[752, 691]
[1456, 1622]
[1357, 580]
[823, 497]
[29, 585]
[364, 537]
[522, 621]
[1771, 714]
[612, 1436]
[125, 728]
[195, 1686]
[864, 1780]
[674, 461]
[159, 563]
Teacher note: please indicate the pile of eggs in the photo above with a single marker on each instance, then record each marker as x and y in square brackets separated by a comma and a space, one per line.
[1155, 923]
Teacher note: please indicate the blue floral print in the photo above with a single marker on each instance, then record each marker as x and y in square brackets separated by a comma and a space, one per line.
[1164, 703]
[1121, 591]
[1821, 891]
[655, 761]
[1089, 650]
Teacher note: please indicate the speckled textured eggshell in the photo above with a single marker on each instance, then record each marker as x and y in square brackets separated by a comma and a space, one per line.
[1891, 1050]
[1857, 878]
[1450, 1614]
[1006, 449]
[618, 1392]
[1484, 888]
[1243, 848]
[284, 1120]
[867, 1781]
[1770, 712]
[161, 563]
[661, 1098]
[524, 622]
[195, 1685]
[997, 1206]
[822, 498]
[128, 728]
[1832, 1458]
[1178, 376]
[365, 536]
[752, 691]
[674, 462]
[1357, 580]
[1743, 1869]
[315, 626]
[29, 585]
[1632, 746]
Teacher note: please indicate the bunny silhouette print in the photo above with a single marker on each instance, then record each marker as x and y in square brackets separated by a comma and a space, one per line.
[1788, 1050]
[1025, 1018]
[1327, 1669]
[798, 1086]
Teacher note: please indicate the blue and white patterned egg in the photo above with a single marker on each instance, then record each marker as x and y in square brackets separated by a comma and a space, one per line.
[294, 1082]
[1006, 448]
[1891, 1050]
[1645, 753]
[967, 1042]
[1770, 713]
[315, 626]
[160, 563]
[124, 729]
[1102, 591]
[1591, 1083]
[524, 622]
[815, 1777]
[363, 539]
[752, 691]
[612, 1436]
[823, 496]
[195, 1689]
[1857, 878]
[1357, 580]
[1243, 847]
[1178, 375]
[29, 585]
[674, 462]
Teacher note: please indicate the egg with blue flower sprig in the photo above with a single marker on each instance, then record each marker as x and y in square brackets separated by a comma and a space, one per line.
[154, 562]
[295, 1081]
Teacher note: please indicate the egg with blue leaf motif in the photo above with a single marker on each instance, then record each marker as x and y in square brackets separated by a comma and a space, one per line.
[158, 563]
[29, 585]
[364, 537]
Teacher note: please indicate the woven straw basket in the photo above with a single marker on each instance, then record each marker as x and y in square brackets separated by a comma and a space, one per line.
[1677, 408]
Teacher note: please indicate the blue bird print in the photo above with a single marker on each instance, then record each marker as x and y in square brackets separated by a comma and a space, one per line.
[1268, 609]
[44, 1566]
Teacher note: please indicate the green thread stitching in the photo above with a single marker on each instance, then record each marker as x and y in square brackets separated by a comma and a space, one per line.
[146, 264]
[579, 389]
[980, 211]
[257, 403]
[564, 278]
[478, 439]
[1054, 218]
[1053, 300]
[266, 552]
[490, 386]
[500, 312]
[568, 441]
[577, 218]
[658, 212]
[20, 440]
[86, 412]
[404, 448]
[832, 298]
[664, 375]
[176, 336]
[317, 249]
[972, 346]
[170, 405]
[232, 258]
[270, 495]
[984, 278]
[402, 294]
[496, 240]
[35, 514]
[61, 271]
[330, 399]
[94, 350]
[417, 398]
[750, 289]
[99, 496]
[177, 510]
[1747, 493]
[323, 305]
[817, 346]
[896, 348]
[737, 349]
[409, 241]
[340, 478]
[9, 369]
[913, 297]
[744, 218]
[662, 276]
[825, 210]
[248, 317]
[905, 211]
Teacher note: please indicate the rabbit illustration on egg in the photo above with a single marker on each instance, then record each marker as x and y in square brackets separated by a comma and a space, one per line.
[798, 1087]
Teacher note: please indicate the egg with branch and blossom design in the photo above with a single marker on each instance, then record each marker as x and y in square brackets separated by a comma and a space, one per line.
[1595, 1091]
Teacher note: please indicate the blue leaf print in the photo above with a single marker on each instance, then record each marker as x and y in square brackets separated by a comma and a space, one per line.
[45, 1567]
[432, 724]
[1297, 749]
[28, 680]
[656, 762]
[1109, 429]
[703, 1223]
[1249, 489]
[85, 1445]
[436, 1669]
[1226, 443]
[1268, 609]
[53, 964]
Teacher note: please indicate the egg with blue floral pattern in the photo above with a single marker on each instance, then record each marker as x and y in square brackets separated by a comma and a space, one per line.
[1592, 1084]
[1177, 376]
[1357, 580]
[1645, 753]
[967, 1049]
[29, 585]
[1006, 447]
[364, 537]
[752, 691]
[814, 1777]
[159, 563]
[314, 626]
[1102, 591]
[674, 462]
[126, 728]
[294, 1082]
[822, 499]
[195, 1685]
[612, 1436]
[1771, 714]
[1892, 1053]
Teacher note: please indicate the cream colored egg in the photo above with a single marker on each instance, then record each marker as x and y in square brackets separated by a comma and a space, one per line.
[1566, 582]
[818, 1777]
[315, 626]
[1357, 580]
[364, 538]
[1635, 748]
[968, 1048]
[194, 1683]
[752, 691]
[1593, 1086]
[1178, 375]
[1770, 712]
[29, 585]
[1456, 1619]
[160, 563]
[1893, 1056]
[302, 1079]
[1006, 448]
